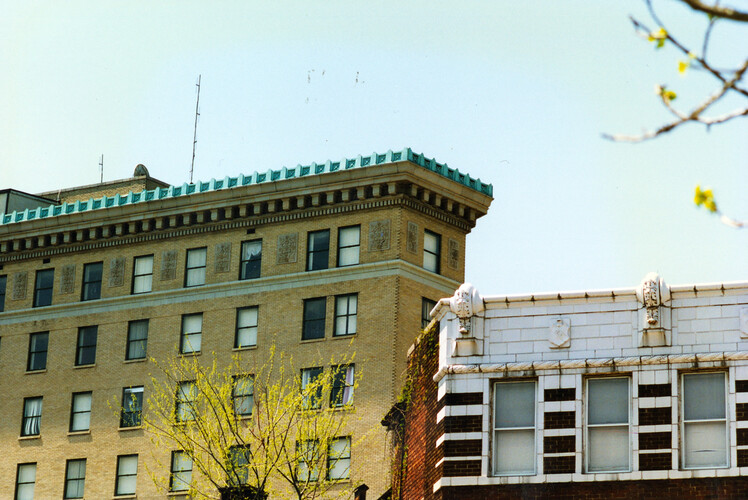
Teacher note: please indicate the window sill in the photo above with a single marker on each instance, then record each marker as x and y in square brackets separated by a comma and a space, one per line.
[79, 433]
[80, 367]
[29, 438]
[137, 293]
[32, 372]
[134, 428]
[307, 341]
[346, 336]
[188, 354]
[245, 348]
[122, 497]
[137, 360]
[182, 493]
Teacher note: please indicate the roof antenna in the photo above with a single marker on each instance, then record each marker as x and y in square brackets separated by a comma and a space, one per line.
[194, 137]
[101, 168]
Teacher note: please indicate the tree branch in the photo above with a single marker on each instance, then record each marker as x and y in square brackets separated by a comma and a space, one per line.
[718, 11]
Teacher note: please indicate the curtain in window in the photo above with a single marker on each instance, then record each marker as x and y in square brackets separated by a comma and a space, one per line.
[192, 333]
[348, 244]
[127, 475]
[704, 420]
[32, 413]
[339, 456]
[25, 482]
[608, 424]
[246, 327]
[138, 340]
[348, 390]
[243, 395]
[196, 260]
[143, 275]
[81, 412]
[309, 460]
[181, 471]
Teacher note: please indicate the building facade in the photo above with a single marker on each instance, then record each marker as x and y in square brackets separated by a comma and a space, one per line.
[316, 260]
[625, 393]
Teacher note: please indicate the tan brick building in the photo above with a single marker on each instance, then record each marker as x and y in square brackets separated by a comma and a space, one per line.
[97, 279]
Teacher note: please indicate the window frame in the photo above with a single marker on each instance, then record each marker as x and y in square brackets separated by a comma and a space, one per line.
[131, 341]
[32, 355]
[347, 315]
[118, 476]
[27, 420]
[185, 336]
[135, 277]
[81, 349]
[308, 323]
[340, 385]
[174, 473]
[18, 479]
[312, 252]
[198, 269]
[246, 265]
[314, 373]
[74, 413]
[437, 255]
[495, 430]
[331, 462]
[342, 248]
[85, 295]
[66, 494]
[587, 425]
[238, 398]
[38, 289]
[239, 330]
[242, 476]
[426, 306]
[184, 406]
[131, 416]
[312, 463]
[683, 422]
[3, 287]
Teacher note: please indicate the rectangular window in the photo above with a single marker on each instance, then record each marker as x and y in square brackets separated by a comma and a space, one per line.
[92, 281]
[311, 387]
[186, 396]
[43, 287]
[349, 242]
[318, 250]
[246, 327]
[346, 307]
[342, 386]
[127, 475]
[25, 481]
[243, 395]
[38, 343]
[137, 339]
[142, 274]
[80, 411]
[181, 471]
[339, 459]
[432, 244]
[314, 318]
[132, 407]
[607, 431]
[31, 424]
[426, 306]
[3, 283]
[704, 420]
[194, 274]
[514, 428]
[85, 353]
[310, 459]
[75, 478]
[251, 260]
[239, 458]
[192, 333]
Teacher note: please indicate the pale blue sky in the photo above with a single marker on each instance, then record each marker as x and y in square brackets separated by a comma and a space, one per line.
[516, 93]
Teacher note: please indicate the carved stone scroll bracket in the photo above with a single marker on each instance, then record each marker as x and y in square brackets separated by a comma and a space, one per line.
[655, 312]
[559, 335]
[467, 305]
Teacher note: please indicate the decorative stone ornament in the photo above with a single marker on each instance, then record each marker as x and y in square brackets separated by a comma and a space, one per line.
[744, 322]
[67, 280]
[654, 311]
[117, 272]
[379, 235]
[19, 285]
[287, 245]
[559, 333]
[466, 303]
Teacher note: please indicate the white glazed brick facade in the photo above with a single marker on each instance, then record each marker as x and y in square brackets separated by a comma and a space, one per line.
[508, 339]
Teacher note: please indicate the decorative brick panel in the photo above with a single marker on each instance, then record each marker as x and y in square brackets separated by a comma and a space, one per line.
[655, 461]
[461, 468]
[559, 420]
[559, 444]
[741, 385]
[655, 440]
[466, 448]
[742, 458]
[466, 423]
[742, 437]
[559, 394]
[655, 416]
[463, 398]
[654, 390]
[559, 465]
[741, 411]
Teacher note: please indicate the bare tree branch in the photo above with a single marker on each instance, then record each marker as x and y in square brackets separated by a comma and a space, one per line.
[718, 11]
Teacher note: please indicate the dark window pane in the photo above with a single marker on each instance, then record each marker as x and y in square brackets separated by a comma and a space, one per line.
[86, 354]
[251, 259]
[3, 283]
[92, 281]
[38, 351]
[318, 250]
[43, 288]
[314, 318]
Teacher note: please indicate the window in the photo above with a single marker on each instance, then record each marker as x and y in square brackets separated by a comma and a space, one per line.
[75, 478]
[142, 274]
[127, 475]
[186, 396]
[239, 458]
[132, 407]
[25, 480]
[181, 471]
[607, 439]
[349, 241]
[137, 339]
[32, 416]
[80, 411]
[92, 281]
[43, 287]
[345, 314]
[85, 353]
[3, 283]
[426, 306]
[243, 394]
[251, 260]
[311, 388]
[194, 274]
[514, 428]
[704, 423]
[192, 326]
[310, 457]
[342, 386]
[38, 343]
[339, 459]
[432, 244]
[318, 250]
[246, 327]
[314, 318]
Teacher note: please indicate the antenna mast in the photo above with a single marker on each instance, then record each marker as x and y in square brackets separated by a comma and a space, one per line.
[194, 137]
[101, 168]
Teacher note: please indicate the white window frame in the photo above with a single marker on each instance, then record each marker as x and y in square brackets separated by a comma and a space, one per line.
[184, 408]
[190, 342]
[334, 459]
[683, 422]
[142, 280]
[194, 275]
[79, 408]
[27, 471]
[246, 329]
[243, 395]
[180, 477]
[430, 237]
[351, 251]
[346, 315]
[121, 477]
[78, 480]
[587, 426]
[495, 430]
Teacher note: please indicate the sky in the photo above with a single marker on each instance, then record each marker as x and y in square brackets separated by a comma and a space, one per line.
[514, 93]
